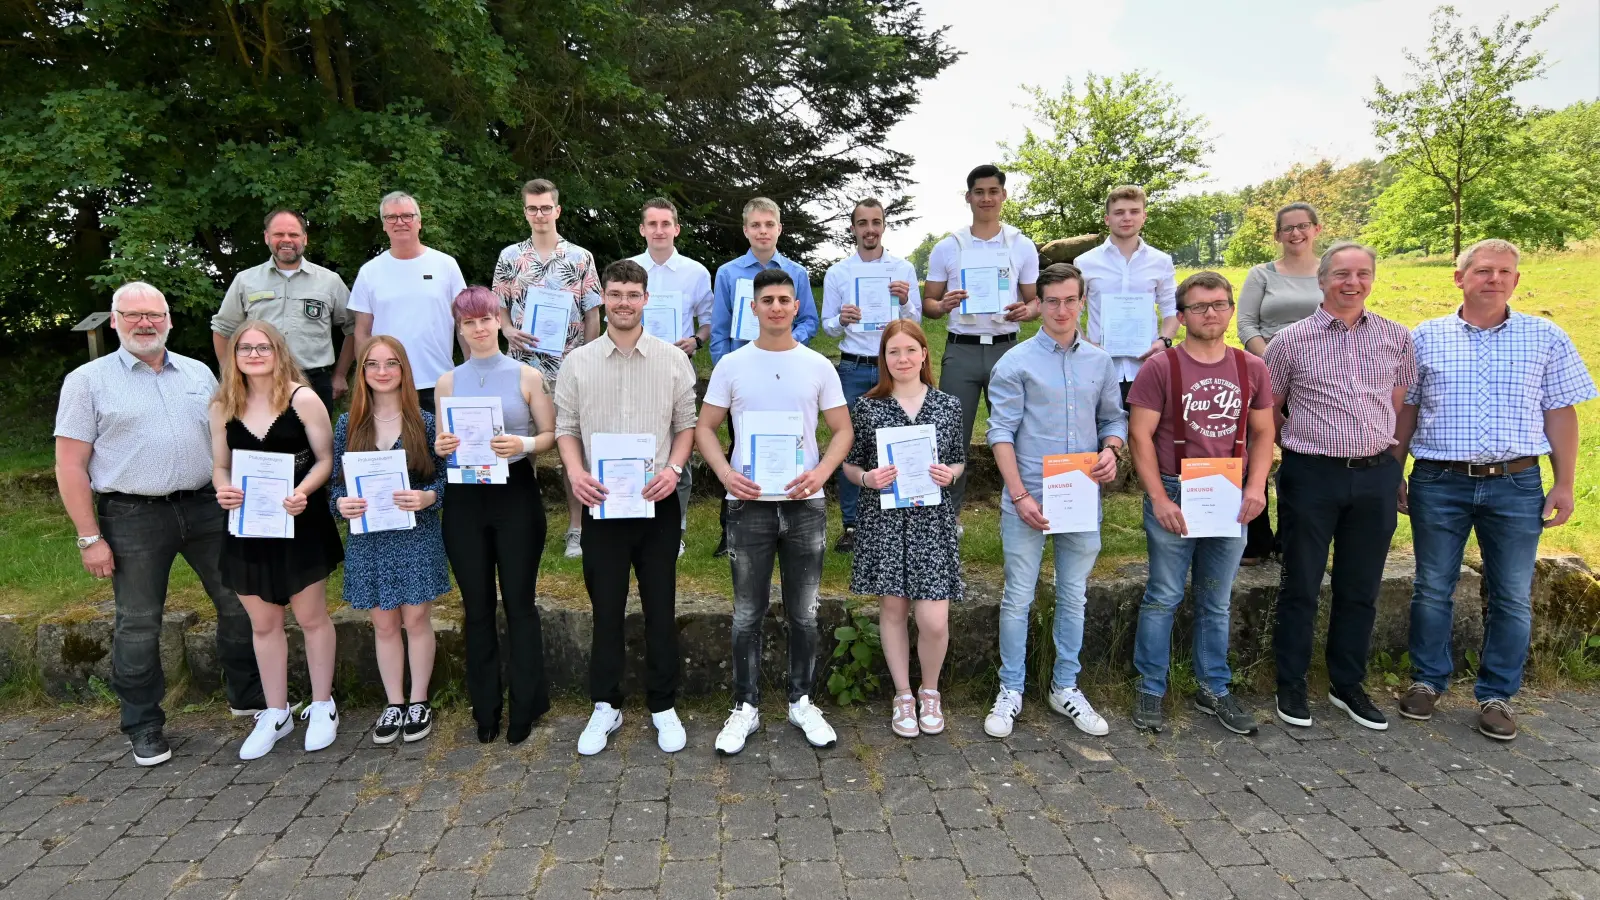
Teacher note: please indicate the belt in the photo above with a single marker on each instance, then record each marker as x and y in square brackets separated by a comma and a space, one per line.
[1486, 470]
[1349, 462]
[319, 370]
[145, 498]
[980, 338]
[858, 360]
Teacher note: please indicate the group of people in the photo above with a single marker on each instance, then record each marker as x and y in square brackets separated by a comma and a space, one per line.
[145, 439]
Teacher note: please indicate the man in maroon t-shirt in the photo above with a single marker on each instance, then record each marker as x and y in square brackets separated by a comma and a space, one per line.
[1187, 429]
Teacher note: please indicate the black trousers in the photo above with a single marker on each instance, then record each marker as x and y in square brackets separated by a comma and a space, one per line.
[722, 516]
[425, 400]
[649, 547]
[1259, 541]
[322, 384]
[1321, 502]
[498, 530]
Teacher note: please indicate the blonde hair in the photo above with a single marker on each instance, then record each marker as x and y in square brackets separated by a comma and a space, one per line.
[1487, 245]
[233, 390]
[1126, 192]
[761, 204]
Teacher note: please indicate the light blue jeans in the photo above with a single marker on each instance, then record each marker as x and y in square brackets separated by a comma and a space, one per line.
[1024, 550]
[856, 379]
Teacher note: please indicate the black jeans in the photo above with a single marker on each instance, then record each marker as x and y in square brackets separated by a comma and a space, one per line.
[795, 533]
[145, 537]
[492, 529]
[425, 400]
[650, 548]
[322, 384]
[1259, 541]
[1320, 501]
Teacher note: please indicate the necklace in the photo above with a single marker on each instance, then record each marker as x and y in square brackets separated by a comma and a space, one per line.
[382, 419]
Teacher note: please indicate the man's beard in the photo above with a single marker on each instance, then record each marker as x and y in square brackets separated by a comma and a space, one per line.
[145, 343]
[293, 254]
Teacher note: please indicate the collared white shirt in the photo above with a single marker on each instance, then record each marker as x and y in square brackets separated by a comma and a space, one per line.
[838, 289]
[1148, 271]
[944, 264]
[687, 277]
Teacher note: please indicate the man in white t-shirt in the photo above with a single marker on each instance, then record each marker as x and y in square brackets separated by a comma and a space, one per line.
[989, 256]
[406, 292]
[1129, 272]
[775, 387]
[842, 317]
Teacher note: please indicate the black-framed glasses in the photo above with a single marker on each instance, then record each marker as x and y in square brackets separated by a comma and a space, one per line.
[1213, 306]
[396, 218]
[154, 318]
[253, 350]
[1303, 227]
[538, 210]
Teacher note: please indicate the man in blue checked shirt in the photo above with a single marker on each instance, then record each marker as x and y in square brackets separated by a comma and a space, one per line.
[1495, 390]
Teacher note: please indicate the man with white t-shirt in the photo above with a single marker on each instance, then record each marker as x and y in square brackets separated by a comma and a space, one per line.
[1004, 261]
[406, 292]
[1125, 271]
[760, 382]
[842, 287]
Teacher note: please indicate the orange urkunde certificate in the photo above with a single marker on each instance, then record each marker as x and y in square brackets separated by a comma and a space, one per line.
[1213, 491]
[1071, 500]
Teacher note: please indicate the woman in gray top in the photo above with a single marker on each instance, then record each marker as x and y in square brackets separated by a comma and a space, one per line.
[1276, 295]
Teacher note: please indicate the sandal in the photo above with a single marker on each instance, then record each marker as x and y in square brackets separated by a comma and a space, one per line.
[932, 719]
[904, 720]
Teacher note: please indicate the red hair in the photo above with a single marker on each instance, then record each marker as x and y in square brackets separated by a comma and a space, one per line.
[911, 329]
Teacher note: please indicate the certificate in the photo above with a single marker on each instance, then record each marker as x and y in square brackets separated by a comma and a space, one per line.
[624, 464]
[266, 479]
[1212, 494]
[872, 297]
[982, 285]
[774, 451]
[911, 450]
[1071, 501]
[545, 316]
[746, 327]
[476, 421]
[1127, 323]
[374, 476]
[664, 316]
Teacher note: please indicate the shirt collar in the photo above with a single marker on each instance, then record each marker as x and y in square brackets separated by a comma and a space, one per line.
[749, 259]
[1328, 320]
[610, 348]
[560, 249]
[1473, 329]
[1054, 346]
[1110, 249]
[673, 261]
[129, 361]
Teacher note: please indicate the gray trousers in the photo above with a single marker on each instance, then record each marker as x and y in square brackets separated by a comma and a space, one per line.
[683, 496]
[964, 372]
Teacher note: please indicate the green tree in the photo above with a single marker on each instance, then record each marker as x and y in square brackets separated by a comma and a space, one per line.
[1457, 122]
[1131, 129]
[919, 257]
[1343, 197]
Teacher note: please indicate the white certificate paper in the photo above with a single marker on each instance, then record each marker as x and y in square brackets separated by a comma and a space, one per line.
[774, 452]
[624, 463]
[911, 449]
[476, 421]
[877, 305]
[1127, 323]
[1212, 494]
[982, 285]
[1071, 501]
[374, 476]
[746, 327]
[664, 316]
[546, 313]
[267, 479]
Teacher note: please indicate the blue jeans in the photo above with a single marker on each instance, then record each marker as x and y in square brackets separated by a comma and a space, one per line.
[1507, 513]
[1024, 550]
[857, 379]
[1215, 561]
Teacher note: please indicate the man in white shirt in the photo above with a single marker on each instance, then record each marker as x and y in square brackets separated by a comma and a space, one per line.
[859, 337]
[406, 291]
[1127, 273]
[680, 283]
[775, 386]
[994, 258]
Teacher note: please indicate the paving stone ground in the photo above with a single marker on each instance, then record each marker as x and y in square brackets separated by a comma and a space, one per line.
[1335, 811]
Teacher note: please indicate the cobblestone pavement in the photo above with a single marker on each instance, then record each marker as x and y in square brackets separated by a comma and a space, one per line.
[1331, 812]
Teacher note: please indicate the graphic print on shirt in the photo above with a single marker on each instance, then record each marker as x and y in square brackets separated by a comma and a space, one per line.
[1212, 407]
[569, 269]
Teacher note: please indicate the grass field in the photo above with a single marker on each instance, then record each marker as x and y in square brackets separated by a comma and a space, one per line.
[39, 572]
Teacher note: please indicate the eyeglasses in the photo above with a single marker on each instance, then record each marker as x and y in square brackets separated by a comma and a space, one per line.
[372, 365]
[1213, 306]
[396, 218]
[538, 210]
[1303, 228]
[1055, 303]
[253, 350]
[630, 297]
[155, 318]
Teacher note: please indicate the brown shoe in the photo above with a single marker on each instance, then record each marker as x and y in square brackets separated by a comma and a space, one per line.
[1495, 720]
[1418, 701]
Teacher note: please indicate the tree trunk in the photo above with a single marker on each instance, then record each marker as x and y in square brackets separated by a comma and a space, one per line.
[341, 50]
[1455, 227]
[323, 60]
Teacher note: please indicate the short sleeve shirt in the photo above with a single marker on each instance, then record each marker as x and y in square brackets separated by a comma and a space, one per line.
[570, 268]
[944, 264]
[1212, 399]
[800, 379]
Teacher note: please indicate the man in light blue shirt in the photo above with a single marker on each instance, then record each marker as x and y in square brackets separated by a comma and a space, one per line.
[1054, 393]
[1495, 390]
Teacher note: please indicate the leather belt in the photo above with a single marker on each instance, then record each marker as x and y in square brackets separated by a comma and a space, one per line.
[145, 498]
[1349, 462]
[858, 360]
[1486, 470]
[319, 370]
[980, 338]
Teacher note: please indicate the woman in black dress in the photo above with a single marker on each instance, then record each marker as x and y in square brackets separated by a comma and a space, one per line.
[263, 404]
[908, 553]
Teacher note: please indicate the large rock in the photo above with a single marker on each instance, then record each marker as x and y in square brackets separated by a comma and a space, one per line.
[1065, 250]
[15, 648]
[1566, 603]
[69, 653]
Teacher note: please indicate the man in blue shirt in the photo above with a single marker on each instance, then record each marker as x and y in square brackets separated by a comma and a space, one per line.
[1052, 385]
[1495, 390]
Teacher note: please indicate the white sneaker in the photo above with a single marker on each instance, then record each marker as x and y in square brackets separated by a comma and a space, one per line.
[680, 549]
[669, 731]
[322, 724]
[602, 722]
[742, 723]
[1071, 702]
[271, 724]
[808, 719]
[1007, 706]
[574, 543]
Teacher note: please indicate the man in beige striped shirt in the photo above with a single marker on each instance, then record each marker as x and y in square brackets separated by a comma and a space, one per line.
[630, 389]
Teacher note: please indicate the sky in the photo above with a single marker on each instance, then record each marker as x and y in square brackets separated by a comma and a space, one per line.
[1279, 82]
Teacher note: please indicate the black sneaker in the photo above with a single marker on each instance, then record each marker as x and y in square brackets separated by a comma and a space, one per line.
[847, 541]
[419, 721]
[389, 724]
[1362, 710]
[722, 547]
[1147, 713]
[150, 748]
[1228, 710]
[1293, 706]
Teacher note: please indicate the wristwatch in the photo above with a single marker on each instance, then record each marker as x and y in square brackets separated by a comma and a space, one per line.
[676, 469]
[1166, 340]
[698, 342]
[85, 543]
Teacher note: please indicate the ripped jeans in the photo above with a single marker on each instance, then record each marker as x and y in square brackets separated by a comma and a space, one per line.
[795, 531]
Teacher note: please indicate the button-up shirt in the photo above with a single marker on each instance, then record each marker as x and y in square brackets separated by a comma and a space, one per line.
[1340, 382]
[570, 268]
[602, 390]
[149, 427]
[723, 340]
[838, 290]
[688, 278]
[1046, 399]
[304, 304]
[1106, 271]
[1482, 393]
[944, 264]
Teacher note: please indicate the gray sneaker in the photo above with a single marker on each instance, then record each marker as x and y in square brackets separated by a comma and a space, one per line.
[1228, 710]
[1147, 713]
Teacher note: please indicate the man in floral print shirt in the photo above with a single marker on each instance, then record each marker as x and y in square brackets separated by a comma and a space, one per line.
[547, 260]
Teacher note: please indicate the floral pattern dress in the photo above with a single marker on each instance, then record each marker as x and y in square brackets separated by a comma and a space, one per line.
[911, 552]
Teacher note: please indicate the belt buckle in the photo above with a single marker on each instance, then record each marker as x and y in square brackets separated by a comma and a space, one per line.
[1485, 470]
[986, 339]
